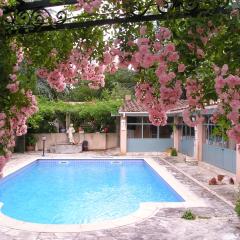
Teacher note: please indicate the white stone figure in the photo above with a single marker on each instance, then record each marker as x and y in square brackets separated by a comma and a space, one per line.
[70, 133]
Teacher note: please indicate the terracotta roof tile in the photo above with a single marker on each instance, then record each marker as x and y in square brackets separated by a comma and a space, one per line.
[181, 105]
[134, 107]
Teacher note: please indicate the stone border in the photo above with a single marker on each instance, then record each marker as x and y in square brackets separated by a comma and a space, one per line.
[146, 210]
[199, 183]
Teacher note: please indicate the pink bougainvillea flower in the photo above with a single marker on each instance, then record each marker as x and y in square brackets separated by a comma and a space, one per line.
[13, 87]
[200, 53]
[42, 73]
[2, 115]
[181, 68]
[143, 30]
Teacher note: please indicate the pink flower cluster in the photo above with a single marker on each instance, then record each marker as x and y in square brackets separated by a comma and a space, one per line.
[13, 87]
[87, 70]
[2, 125]
[195, 93]
[192, 118]
[227, 87]
[163, 55]
[56, 80]
[112, 58]
[89, 6]
[194, 89]
[144, 93]
[77, 67]
[7, 140]
[15, 125]
[144, 53]
[157, 115]
[20, 116]
[200, 37]
[13, 121]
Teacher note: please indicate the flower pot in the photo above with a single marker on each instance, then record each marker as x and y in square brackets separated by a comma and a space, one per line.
[30, 148]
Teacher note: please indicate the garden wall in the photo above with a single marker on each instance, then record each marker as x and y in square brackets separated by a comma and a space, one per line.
[96, 141]
[113, 140]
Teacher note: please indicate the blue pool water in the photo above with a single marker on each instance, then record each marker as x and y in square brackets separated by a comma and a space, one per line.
[75, 192]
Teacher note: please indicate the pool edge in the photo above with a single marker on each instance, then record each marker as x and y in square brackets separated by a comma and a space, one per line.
[146, 210]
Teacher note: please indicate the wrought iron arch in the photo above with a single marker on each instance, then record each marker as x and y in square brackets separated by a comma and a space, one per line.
[39, 16]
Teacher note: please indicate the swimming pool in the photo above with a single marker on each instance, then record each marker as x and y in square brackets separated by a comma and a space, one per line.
[81, 191]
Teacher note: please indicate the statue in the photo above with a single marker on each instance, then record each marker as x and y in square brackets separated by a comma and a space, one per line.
[70, 132]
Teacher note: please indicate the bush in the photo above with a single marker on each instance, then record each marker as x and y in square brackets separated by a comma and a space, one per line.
[174, 152]
[237, 207]
[30, 140]
[188, 215]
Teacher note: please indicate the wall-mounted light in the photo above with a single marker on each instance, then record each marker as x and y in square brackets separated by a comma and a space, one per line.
[193, 118]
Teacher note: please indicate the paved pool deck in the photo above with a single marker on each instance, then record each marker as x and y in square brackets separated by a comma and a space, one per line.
[217, 220]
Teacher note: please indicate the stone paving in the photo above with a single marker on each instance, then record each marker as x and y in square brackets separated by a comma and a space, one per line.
[203, 175]
[217, 221]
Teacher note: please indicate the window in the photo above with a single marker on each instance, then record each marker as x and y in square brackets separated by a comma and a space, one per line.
[212, 138]
[218, 140]
[166, 131]
[146, 120]
[134, 131]
[188, 132]
[134, 120]
[150, 131]
[141, 127]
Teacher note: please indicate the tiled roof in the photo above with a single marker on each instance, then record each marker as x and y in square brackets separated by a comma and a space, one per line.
[134, 107]
[181, 105]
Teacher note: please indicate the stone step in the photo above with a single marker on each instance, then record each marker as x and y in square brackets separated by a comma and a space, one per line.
[191, 161]
[66, 148]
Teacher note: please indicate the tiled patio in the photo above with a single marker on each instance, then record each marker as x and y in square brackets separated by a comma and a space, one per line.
[216, 221]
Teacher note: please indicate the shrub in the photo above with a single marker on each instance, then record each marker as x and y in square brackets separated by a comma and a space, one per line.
[174, 152]
[30, 140]
[188, 215]
[237, 207]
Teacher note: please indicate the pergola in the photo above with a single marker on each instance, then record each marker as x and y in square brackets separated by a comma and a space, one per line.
[40, 16]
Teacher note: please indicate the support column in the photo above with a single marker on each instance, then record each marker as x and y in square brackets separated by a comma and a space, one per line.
[176, 134]
[68, 120]
[118, 119]
[198, 142]
[123, 135]
[238, 163]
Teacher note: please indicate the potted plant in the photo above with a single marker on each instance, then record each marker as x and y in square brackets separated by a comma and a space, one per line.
[31, 141]
[174, 152]
[171, 152]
